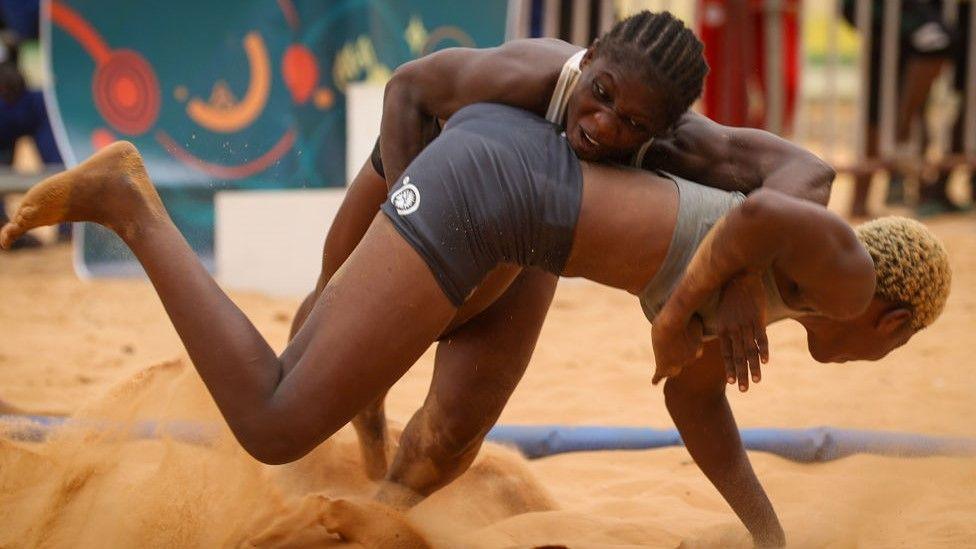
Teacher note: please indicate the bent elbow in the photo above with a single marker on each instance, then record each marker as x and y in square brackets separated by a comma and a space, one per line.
[402, 81]
[271, 448]
[822, 180]
[272, 456]
[761, 205]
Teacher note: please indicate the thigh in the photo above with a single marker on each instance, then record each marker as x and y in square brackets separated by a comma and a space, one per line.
[365, 194]
[491, 288]
[480, 363]
[380, 311]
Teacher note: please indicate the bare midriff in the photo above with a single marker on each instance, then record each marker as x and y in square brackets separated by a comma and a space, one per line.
[625, 226]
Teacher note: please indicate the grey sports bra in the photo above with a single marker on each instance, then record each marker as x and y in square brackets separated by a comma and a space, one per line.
[699, 209]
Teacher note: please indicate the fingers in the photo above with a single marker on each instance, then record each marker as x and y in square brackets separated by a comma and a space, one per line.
[762, 343]
[760, 353]
[740, 362]
[752, 356]
[743, 354]
[726, 345]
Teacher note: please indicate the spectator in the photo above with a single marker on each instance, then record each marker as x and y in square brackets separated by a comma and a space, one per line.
[22, 113]
[934, 198]
[924, 44]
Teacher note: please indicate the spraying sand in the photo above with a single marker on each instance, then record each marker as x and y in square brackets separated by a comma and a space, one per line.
[106, 350]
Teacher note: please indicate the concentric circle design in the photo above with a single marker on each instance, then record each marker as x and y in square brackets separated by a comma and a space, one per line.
[126, 92]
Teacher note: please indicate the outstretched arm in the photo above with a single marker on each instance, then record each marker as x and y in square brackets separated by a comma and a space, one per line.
[814, 248]
[696, 401]
[739, 159]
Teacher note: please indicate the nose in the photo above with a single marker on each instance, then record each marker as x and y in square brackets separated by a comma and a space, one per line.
[605, 126]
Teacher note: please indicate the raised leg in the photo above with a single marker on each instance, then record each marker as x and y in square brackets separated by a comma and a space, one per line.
[477, 367]
[376, 316]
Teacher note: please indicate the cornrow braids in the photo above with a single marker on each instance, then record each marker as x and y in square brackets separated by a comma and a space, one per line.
[665, 50]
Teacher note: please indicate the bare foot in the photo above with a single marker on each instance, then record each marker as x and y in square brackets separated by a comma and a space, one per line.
[110, 188]
[370, 524]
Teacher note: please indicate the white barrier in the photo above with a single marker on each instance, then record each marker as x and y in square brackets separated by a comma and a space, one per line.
[271, 241]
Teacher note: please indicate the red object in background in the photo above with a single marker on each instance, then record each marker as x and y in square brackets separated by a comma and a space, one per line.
[733, 32]
[300, 71]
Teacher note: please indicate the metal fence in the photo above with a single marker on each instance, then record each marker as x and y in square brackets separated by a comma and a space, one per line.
[833, 56]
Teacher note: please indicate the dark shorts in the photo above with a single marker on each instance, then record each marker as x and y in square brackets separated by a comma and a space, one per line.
[499, 185]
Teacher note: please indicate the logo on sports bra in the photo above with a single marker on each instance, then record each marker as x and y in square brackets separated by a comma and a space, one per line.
[406, 199]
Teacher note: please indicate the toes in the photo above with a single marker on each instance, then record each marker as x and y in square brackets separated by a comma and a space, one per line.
[10, 233]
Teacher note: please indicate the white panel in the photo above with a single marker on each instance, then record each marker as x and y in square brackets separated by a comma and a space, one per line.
[364, 110]
[271, 241]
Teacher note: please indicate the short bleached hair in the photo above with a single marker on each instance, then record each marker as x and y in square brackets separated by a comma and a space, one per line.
[911, 266]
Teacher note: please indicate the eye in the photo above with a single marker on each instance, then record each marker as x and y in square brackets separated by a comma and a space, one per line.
[600, 92]
[635, 124]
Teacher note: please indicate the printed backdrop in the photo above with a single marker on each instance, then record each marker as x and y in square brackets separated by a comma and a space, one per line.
[232, 94]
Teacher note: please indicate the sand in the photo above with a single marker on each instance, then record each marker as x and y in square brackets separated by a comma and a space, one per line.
[105, 349]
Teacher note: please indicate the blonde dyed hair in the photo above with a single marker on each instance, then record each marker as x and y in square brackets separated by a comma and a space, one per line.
[911, 265]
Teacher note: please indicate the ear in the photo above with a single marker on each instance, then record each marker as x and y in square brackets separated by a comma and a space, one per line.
[895, 320]
[590, 53]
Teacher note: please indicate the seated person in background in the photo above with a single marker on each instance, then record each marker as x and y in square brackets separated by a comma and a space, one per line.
[22, 114]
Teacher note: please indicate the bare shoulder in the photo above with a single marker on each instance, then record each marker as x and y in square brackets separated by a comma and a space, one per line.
[534, 59]
[541, 49]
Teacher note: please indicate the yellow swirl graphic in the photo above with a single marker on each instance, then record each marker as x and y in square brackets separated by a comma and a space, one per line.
[221, 113]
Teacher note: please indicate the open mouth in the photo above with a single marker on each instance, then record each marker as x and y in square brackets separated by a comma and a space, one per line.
[592, 142]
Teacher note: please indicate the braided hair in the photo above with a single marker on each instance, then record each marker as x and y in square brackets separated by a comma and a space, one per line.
[666, 51]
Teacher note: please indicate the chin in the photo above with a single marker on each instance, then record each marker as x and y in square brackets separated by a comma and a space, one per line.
[819, 354]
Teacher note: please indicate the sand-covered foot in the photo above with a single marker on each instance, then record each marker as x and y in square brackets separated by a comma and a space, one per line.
[370, 524]
[110, 188]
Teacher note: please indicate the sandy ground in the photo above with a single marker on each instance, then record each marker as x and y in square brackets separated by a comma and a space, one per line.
[106, 349]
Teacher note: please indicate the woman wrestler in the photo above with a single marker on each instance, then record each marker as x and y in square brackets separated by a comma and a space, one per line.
[481, 195]
[624, 99]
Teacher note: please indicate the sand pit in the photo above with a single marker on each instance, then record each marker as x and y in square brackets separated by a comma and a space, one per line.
[106, 350]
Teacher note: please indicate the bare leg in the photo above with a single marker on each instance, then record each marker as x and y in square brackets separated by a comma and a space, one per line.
[366, 193]
[477, 368]
[378, 314]
[920, 73]
[363, 199]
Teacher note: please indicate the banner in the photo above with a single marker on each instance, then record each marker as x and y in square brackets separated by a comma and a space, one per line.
[229, 95]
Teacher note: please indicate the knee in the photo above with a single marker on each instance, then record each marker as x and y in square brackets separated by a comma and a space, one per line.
[453, 435]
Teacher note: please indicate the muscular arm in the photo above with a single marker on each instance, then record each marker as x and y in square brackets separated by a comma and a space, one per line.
[817, 250]
[437, 85]
[696, 401]
[739, 159]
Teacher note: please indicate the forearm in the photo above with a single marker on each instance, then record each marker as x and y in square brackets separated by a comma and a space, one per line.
[712, 438]
[742, 159]
[739, 243]
[802, 176]
[405, 128]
